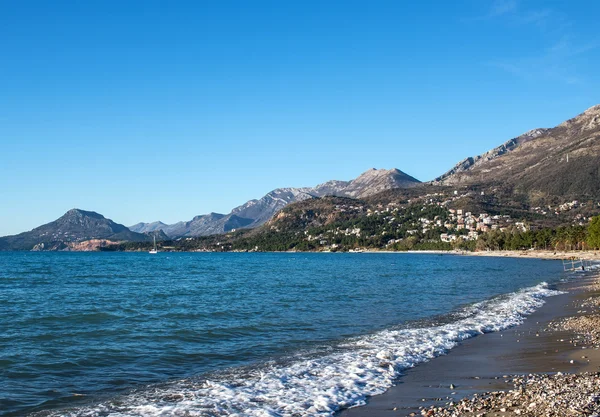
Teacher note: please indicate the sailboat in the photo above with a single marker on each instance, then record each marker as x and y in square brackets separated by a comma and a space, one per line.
[154, 250]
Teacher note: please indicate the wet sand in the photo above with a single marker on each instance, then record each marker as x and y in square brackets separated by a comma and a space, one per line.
[542, 345]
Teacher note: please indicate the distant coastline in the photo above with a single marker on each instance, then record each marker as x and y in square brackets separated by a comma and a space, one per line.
[534, 254]
[537, 254]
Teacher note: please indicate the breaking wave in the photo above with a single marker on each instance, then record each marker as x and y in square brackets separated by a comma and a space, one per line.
[324, 380]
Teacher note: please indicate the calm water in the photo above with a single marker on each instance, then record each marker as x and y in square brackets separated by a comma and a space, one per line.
[239, 334]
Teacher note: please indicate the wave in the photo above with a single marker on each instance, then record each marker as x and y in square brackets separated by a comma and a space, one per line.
[319, 383]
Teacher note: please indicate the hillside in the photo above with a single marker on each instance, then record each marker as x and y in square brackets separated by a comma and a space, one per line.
[74, 226]
[542, 167]
[542, 164]
[425, 217]
[256, 212]
[543, 178]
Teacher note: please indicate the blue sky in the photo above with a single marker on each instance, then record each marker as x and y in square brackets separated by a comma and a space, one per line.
[155, 110]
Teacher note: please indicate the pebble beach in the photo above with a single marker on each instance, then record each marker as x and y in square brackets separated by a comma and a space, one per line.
[548, 394]
[549, 366]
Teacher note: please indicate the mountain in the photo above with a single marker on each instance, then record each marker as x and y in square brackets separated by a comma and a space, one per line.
[563, 161]
[73, 227]
[147, 227]
[375, 181]
[256, 212]
[543, 167]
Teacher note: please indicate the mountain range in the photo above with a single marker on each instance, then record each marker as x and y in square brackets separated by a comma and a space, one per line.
[73, 227]
[545, 163]
[256, 212]
[561, 161]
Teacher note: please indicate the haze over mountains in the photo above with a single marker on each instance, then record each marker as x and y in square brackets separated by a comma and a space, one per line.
[561, 162]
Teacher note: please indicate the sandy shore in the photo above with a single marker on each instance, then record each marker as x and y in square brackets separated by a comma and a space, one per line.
[546, 367]
[537, 254]
[541, 254]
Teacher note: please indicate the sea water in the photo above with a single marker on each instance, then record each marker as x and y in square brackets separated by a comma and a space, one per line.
[207, 334]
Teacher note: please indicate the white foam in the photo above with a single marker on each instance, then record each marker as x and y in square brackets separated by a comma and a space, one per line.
[319, 385]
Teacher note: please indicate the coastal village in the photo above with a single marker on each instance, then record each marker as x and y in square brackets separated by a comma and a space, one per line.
[458, 224]
[432, 217]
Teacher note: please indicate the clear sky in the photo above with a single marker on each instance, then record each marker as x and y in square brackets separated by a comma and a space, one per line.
[162, 110]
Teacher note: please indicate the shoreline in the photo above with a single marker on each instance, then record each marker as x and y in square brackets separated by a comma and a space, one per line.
[542, 254]
[431, 380]
[478, 378]
[587, 255]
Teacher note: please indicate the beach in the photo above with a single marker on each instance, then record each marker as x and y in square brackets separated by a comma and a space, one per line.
[589, 255]
[541, 254]
[219, 334]
[548, 366]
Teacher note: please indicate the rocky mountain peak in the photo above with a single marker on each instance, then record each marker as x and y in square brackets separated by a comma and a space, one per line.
[580, 126]
[372, 172]
[586, 121]
[256, 212]
[378, 173]
[593, 110]
[74, 226]
[375, 180]
[147, 227]
[453, 176]
[211, 215]
[534, 133]
[561, 161]
[78, 214]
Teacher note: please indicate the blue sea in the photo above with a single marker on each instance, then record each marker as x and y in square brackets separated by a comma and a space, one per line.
[239, 334]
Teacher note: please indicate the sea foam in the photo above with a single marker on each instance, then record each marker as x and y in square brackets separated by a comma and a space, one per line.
[317, 383]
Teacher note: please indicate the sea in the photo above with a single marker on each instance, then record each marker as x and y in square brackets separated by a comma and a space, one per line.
[241, 334]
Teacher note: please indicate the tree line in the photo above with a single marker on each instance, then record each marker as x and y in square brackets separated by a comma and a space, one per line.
[560, 238]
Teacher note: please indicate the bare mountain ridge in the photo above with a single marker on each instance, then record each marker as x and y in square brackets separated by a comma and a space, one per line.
[561, 161]
[148, 227]
[374, 181]
[467, 164]
[256, 212]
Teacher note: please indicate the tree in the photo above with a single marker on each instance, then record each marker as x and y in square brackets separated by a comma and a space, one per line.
[593, 238]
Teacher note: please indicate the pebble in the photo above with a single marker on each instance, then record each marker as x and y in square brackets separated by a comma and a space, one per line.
[557, 395]
[543, 395]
